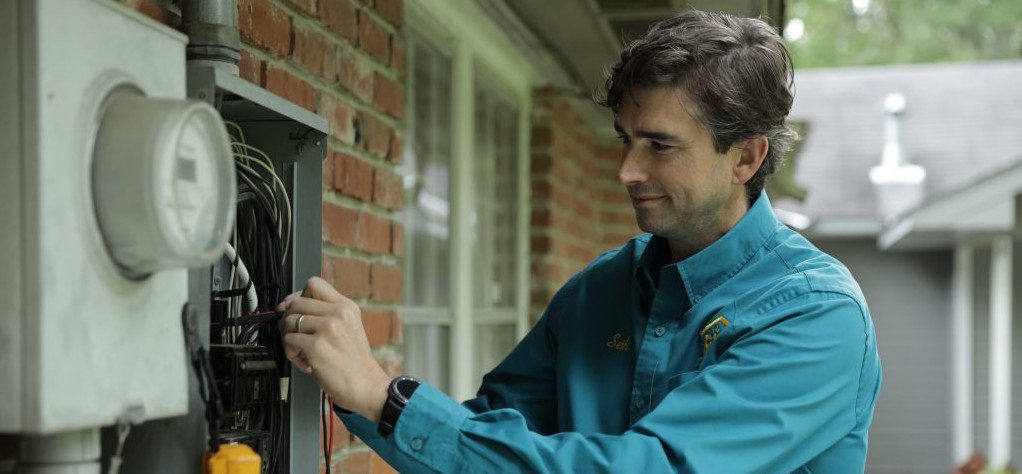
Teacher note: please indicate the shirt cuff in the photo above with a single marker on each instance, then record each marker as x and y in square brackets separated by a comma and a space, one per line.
[429, 428]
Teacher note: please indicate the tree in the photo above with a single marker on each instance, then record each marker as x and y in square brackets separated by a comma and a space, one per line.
[831, 33]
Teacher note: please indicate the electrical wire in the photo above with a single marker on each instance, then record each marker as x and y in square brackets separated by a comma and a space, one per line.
[262, 240]
[244, 280]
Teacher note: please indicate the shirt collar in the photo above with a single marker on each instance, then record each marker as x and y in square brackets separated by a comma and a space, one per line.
[709, 268]
[714, 265]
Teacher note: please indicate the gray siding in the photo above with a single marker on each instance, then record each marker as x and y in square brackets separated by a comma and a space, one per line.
[907, 293]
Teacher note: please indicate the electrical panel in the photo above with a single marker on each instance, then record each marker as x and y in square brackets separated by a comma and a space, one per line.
[156, 213]
[119, 184]
[275, 247]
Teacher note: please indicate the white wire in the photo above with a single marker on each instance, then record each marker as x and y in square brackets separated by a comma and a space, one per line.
[243, 278]
[241, 134]
[283, 230]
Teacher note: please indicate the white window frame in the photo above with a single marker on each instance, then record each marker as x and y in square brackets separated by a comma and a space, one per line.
[475, 47]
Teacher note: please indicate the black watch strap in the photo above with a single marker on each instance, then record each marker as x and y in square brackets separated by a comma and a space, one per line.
[398, 393]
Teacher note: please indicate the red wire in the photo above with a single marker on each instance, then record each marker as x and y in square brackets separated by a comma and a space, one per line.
[330, 434]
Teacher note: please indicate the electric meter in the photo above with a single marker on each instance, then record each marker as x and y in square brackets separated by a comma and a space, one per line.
[162, 182]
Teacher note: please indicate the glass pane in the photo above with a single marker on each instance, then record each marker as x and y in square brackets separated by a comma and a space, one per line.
[426, 354]
[495, 220]
[426, 177]
[493, 343]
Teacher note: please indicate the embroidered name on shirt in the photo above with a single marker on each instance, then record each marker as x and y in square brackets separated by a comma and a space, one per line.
[710, 331]
[618, 344]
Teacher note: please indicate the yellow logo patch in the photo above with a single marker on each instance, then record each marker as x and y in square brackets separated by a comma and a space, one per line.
[710, 331]
[617, 343]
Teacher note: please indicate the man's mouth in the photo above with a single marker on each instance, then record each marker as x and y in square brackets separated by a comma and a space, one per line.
[646, 199]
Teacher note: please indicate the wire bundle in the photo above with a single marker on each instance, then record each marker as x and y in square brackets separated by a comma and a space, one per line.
[258, 252]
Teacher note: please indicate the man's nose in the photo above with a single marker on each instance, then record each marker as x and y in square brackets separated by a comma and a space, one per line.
[633, 169]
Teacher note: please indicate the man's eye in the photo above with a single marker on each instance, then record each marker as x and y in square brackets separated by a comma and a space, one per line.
[659, 147]
[623, 139]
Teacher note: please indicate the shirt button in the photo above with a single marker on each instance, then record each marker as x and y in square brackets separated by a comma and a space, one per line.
[640, 403]
[660, 331]
[416, 444]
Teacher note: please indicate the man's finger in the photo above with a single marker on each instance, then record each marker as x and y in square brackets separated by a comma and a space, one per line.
[303, 323]
[299, 345]
[303, 305]
[287, 300]
[319, 289]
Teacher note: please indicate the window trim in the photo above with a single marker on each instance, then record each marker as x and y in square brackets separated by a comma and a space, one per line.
[461, 29]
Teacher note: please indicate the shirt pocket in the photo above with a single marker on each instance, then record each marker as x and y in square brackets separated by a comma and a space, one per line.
[678, 380]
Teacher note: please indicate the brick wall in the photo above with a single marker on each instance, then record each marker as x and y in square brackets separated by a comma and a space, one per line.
[579, 210]
[344, 60]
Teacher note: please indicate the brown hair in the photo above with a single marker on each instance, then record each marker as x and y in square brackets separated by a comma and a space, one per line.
[737, 69]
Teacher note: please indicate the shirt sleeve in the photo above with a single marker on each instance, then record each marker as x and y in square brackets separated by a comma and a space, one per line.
[774, 399]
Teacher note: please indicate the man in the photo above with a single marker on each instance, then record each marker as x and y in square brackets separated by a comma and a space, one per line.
[720, 341]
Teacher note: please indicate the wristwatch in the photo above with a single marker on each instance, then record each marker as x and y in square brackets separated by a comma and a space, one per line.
[398, 393]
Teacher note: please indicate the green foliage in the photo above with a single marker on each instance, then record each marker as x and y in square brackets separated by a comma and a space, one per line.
[903, 31]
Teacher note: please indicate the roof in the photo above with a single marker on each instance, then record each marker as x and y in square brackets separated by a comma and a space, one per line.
[962, 122]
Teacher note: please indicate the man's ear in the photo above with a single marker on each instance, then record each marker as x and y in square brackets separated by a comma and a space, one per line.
[752, 152]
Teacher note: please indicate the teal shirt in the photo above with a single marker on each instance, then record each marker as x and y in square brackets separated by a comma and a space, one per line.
[756, 354]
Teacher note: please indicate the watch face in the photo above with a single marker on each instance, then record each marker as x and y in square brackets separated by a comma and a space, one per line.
[404, 387]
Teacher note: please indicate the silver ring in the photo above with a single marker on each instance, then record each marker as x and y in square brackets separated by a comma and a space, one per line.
[298, 323]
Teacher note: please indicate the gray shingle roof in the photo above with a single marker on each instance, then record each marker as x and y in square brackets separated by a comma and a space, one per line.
[963, 121]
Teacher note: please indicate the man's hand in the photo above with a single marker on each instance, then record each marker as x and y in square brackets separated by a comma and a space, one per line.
[324, 337]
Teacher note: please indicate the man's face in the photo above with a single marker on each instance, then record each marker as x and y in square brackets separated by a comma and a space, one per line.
[680, 187]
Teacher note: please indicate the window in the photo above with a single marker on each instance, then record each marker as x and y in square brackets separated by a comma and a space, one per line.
[426, 172]
[465, 216]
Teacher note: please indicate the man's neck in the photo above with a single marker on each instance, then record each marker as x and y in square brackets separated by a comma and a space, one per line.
[729, 216]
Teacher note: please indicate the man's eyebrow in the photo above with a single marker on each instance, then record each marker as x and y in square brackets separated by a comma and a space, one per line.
[654, 135]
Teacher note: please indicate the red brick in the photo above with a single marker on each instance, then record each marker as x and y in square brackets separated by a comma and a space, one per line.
[388, 190]
[397, 236]
[340, 117]
[385, 282]
[391, 10]
[289, 86]
[542, 136]
[328, 172]
[265, 25]
[542, 189]
[541, 218]
[389, 95]
[356, 76]
[379, 466]
[326, 269]
[340, 225]
[392, 364]
[307, 7]
[373, 38]
[541, 163]
[540, 244]
[158, 13]
[397, 148]
[341, 436]
[351, 276]
[379, 325]
[357, 462]
[353, 177]
[316, 53]
[340, 18]
[397, 54]
[250, 69]
[373, 234]
[376, 135]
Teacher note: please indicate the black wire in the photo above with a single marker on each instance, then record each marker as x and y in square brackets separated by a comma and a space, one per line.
[323, 429]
